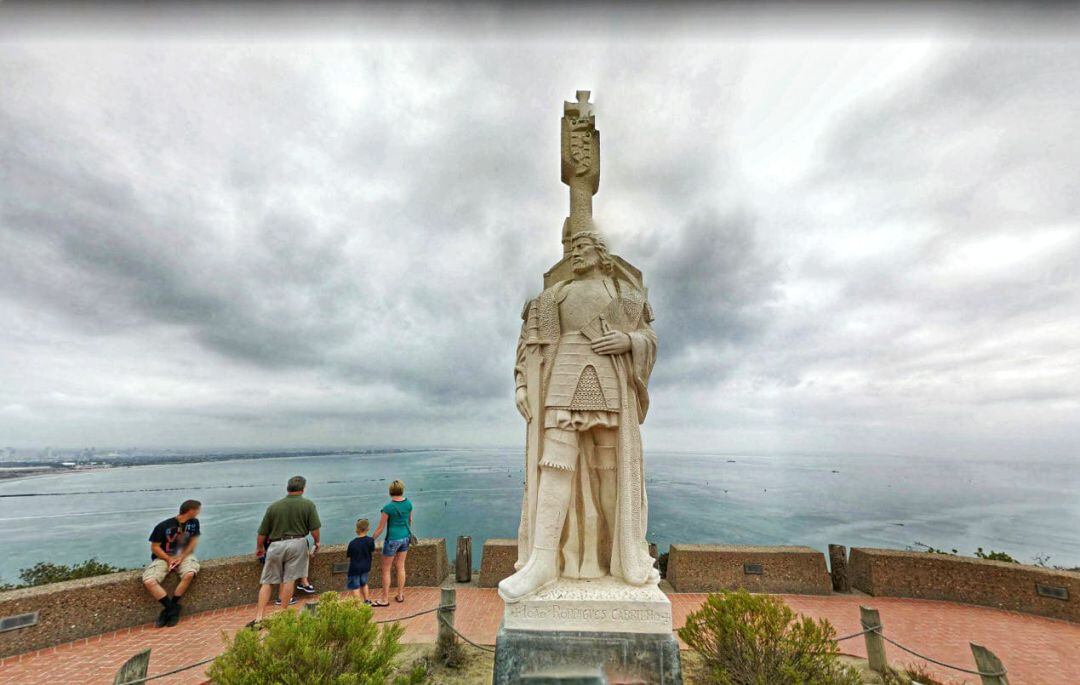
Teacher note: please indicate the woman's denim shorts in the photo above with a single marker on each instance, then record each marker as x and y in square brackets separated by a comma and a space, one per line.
[392, 547]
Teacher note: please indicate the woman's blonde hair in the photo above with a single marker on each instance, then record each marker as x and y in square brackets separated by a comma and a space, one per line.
[397, 488]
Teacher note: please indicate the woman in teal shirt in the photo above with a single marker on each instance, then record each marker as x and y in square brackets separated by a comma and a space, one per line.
[397, 520]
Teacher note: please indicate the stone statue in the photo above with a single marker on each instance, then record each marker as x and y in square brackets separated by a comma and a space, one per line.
[583, 363]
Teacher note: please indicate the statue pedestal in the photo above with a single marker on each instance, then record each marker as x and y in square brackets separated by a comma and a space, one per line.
[575, 626]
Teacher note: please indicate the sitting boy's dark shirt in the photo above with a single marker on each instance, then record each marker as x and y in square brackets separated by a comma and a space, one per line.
[359, 553]
[173, 536]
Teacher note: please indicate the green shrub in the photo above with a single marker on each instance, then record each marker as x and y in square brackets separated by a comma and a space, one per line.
[746, 639]
[45, 572]
[995, 556]
[932, 550]
[339, 644]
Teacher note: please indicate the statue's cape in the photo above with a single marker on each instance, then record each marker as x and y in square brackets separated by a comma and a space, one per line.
[626, 549]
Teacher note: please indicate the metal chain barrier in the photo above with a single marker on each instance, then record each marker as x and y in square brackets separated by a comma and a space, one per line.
[872, 629]
[998, 674]
[457, 632]
[419, 613]
[877, 629]
[861, 632]
[139, 681]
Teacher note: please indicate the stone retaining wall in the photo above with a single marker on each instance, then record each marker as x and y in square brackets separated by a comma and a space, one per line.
[922, 575]
[497, 561]
[709, 568]
[90, 606]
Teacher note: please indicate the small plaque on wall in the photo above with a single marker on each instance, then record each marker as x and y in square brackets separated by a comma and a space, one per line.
[753, 569]
[1052, 591]
[18, 621]
[341, 567]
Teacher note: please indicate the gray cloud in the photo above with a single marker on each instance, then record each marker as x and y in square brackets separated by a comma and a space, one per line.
[269, 244]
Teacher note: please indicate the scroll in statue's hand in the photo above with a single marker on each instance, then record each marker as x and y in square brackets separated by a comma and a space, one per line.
[615, 342]
[522, 401]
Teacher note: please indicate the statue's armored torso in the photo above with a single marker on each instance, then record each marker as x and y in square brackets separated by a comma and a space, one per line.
[581, 379]
[583, 301]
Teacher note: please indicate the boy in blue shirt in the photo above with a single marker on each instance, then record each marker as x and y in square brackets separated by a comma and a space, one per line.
[359, 554]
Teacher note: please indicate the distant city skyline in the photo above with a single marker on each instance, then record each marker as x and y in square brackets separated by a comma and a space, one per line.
[270, 235]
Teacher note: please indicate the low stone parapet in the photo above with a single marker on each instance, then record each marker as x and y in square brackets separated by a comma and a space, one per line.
[710, 568]
[498, 560]
[999, 584]
[81, 608]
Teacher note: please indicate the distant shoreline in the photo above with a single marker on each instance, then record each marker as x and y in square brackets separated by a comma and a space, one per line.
[24, 470]
[14, 471]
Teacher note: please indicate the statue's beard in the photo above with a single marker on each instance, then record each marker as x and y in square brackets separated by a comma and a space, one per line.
[584, 267]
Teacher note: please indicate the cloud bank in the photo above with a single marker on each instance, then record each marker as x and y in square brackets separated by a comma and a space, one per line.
[850, 246]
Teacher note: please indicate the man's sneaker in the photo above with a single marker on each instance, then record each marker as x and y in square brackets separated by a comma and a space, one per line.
[174, 616]
[307, 589]
[277, 602]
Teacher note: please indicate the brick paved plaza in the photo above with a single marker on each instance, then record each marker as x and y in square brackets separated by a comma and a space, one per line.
[1036, 651]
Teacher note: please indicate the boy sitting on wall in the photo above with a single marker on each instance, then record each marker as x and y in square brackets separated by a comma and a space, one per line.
[172, 548]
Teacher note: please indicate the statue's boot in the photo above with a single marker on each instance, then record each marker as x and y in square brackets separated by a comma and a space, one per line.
[542, 569]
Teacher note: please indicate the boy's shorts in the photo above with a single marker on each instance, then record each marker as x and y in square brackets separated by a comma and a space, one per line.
[159, 568]
[356, 582]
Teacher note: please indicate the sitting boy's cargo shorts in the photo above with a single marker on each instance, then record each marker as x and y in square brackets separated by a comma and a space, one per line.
[286, 561]
[159, 568]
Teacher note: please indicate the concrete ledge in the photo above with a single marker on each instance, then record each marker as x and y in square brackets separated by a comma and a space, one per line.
[498, 561]
[709, 568]
[999, 584]
[90, 606]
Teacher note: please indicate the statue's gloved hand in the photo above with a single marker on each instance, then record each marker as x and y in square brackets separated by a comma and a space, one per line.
[522, 400]
[615, 342]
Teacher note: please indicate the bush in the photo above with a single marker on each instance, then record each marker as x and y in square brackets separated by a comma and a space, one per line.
[45, 572]
[995, 556]
[932, 550]
[339, 644]
[746, 639]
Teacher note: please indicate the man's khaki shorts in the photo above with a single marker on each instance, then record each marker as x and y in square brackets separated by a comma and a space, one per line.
[286, 561]
[159, 568]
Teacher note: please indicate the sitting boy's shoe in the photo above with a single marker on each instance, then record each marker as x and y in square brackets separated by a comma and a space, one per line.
[277, 602]
[307, 589]
[174, 616]
[162, 618]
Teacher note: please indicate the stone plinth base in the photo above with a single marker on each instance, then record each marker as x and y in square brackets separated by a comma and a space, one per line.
[549, 656]
[600, 605]
[588, 631]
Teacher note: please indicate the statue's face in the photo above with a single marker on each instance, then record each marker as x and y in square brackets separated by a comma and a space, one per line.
[583, 256]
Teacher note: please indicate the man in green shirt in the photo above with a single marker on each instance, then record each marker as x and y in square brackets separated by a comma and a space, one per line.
[283, 540]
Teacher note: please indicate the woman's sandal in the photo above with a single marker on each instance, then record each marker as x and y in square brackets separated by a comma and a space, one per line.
[399, 598]
[379, 603]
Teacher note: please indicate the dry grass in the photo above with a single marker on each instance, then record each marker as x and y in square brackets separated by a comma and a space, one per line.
[473, 667]
[919, 673]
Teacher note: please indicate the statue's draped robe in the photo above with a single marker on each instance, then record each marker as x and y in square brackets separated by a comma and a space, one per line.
[625, 552]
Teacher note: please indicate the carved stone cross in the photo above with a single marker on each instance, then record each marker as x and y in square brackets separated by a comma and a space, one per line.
[582, 109]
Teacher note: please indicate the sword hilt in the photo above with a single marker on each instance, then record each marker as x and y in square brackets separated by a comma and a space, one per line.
[532, 325]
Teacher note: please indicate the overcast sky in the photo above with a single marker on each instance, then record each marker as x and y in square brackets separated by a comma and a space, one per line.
[320, 232]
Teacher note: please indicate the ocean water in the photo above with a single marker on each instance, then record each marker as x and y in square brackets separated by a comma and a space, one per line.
[1026, 509]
